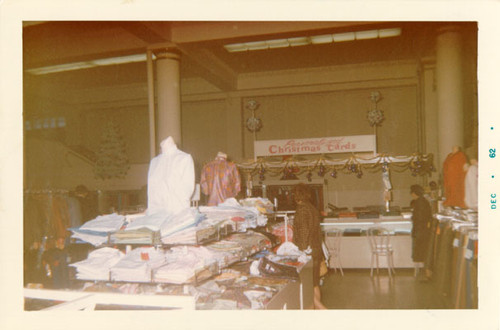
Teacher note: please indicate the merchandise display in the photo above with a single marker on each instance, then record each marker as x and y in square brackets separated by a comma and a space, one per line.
[138, 250]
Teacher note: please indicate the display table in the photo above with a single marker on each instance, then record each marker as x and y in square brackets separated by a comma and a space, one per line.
[293, 295]
[355, 248]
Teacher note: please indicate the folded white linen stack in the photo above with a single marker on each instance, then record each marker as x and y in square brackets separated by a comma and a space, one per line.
[97, 265]
[152, 222]
[96, 231]
[206, 228]
[138, 264]
[185, 236]
[105, 223]
[186, 218]
[183, 263]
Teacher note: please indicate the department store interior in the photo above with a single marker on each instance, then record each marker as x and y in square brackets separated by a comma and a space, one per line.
[358, 112]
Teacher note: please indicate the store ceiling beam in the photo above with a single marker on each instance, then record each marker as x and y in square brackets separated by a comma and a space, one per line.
[211, 68]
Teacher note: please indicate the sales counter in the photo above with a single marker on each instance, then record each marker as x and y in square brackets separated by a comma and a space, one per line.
[355, 248]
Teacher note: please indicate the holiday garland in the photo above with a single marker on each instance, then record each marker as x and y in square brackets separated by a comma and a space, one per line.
[417, 164]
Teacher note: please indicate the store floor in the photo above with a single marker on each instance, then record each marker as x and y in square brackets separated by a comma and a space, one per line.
[358, 290]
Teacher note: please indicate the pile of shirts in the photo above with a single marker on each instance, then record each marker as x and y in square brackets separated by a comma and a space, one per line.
[98, 264]
[138, 265]
[96, 231]
[189, 226]
[184, 264]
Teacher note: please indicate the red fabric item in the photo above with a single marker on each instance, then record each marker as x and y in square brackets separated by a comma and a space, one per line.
[280, 232]
[454, 179]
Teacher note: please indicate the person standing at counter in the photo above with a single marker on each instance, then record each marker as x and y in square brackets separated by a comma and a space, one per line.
[422, 216]
[307, 234]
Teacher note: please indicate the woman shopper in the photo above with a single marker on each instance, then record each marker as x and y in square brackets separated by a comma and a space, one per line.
[307, 234]
[422, 216]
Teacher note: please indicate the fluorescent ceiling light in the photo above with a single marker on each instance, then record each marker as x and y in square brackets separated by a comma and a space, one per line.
[256, 45]
[308, 40]
[385, 33]
[61, 68]
[362, 35]
[121, 60]
[88, 64]
[300, 41]
[323, 39]
[236, 47]
[278, 43]
[339, 37]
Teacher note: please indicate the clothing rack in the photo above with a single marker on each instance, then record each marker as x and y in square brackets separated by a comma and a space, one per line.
[41, 205]
[452, 258]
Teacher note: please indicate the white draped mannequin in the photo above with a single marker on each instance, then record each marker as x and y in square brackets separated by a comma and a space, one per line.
[170, 179]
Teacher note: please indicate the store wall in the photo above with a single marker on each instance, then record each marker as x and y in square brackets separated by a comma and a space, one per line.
[204, 130]
[313, 103]
[293, 104]
[339, 113]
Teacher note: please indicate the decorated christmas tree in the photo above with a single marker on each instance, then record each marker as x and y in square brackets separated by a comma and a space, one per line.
[112, 160]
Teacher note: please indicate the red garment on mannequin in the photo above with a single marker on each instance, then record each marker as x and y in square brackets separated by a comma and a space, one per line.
[454, 179]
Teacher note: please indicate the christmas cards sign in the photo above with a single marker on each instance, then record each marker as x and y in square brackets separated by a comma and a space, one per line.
[326, 145]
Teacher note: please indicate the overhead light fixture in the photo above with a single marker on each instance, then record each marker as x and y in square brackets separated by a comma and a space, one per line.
[88, 64]
[257, 45]
[236, 47]
[323, 39]
[385, 33]
[363, 35]
[315, 40]
[61, 68]
[299, 41]
[121, 60]
[278, 43]
[339, 37]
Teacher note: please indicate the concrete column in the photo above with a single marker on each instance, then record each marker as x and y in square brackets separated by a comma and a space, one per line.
[449, 85]
[168, 95]
[234, 128]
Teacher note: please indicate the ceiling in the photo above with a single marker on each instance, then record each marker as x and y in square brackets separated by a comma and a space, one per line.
[201, 47]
